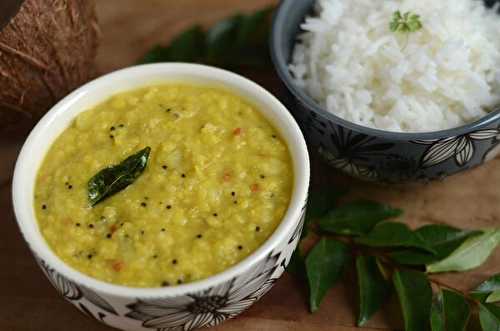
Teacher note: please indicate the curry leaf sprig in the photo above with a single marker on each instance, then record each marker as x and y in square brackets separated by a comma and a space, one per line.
[114, 179]
[236, 41]
[390, 257]
[405, 23]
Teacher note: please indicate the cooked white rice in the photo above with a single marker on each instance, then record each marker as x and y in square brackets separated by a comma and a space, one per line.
[442, 76]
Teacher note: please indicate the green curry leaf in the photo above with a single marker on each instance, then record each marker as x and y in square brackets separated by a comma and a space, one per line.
[239, 40]
[155, 54]
[443, 239]
[220, 39]
[437, 313]
[189, 46]
[456, 311]
[357, 218]
[415, 296]
[297, 265]
[254, 28]
[392, 234]
[112, 180]
[324, 265]
[319, 203]
[471, 254]
[489, 316]
[450, 311]
[374, 289]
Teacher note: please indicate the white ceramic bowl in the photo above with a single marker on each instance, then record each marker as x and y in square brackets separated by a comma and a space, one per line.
[203, 303]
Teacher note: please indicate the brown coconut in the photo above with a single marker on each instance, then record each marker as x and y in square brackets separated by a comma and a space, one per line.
[47, 49]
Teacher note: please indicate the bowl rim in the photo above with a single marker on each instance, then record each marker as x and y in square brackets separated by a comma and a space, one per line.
[24, 203]
[281, 67]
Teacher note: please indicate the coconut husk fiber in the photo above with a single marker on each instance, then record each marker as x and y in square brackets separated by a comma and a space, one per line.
[47, 50]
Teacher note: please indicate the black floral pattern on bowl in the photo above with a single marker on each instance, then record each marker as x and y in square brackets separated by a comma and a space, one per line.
[351, 152]
[459, 148]
[81, 296]
[210, 307]
[381, 159]
[371, 154]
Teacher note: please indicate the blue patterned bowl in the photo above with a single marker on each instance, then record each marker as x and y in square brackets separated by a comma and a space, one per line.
[373, 154]
[207, 302]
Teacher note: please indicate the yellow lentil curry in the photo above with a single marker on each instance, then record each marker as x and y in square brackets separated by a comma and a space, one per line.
[216, 185]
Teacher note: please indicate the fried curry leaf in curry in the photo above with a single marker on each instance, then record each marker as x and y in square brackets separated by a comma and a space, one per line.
[113, 179]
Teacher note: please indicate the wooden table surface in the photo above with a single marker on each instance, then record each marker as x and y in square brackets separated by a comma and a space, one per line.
[129, 28]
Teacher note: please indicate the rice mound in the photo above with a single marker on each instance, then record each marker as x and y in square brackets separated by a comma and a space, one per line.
[442, 76]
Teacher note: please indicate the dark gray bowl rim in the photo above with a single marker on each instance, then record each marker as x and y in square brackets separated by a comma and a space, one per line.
[281, 68]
